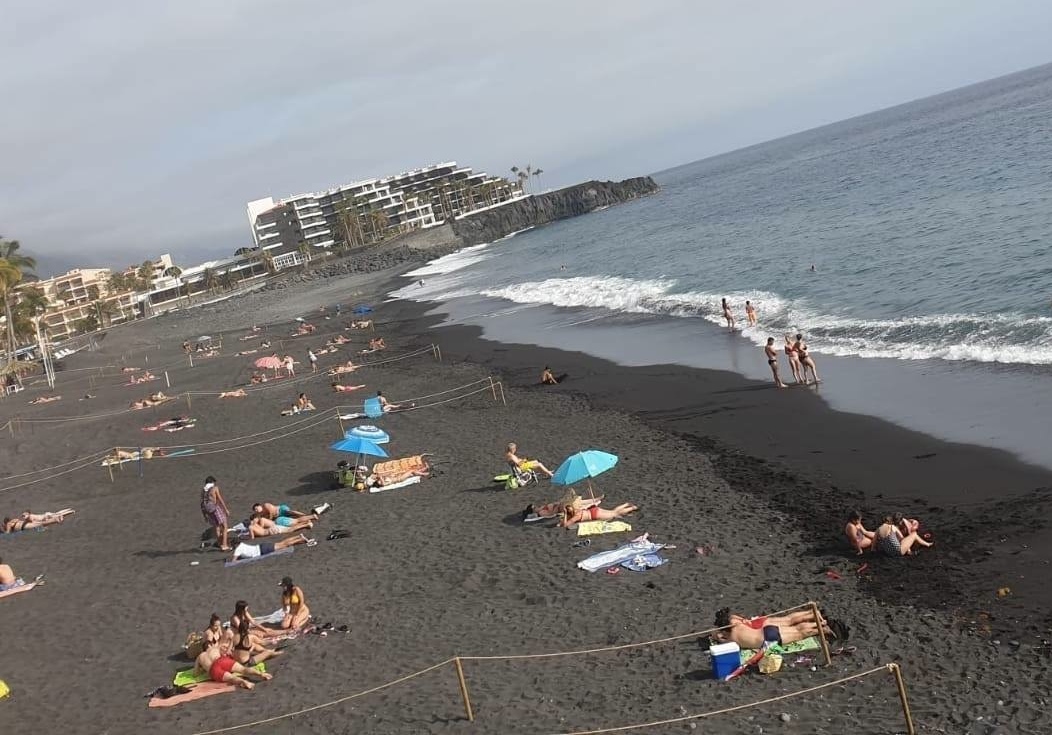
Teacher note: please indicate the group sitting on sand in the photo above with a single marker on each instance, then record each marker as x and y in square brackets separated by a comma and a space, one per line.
[28, 521]
[896, 536]
[301, 404]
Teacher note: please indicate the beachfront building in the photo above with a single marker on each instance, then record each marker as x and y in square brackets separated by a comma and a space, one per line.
[80, 301]
[288, 231]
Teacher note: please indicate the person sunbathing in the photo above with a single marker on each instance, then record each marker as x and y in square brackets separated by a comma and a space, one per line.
[362, 324]
[376, 344]
[753, 633]
[123, 455]
[250, 551]
[281, 514]
[130, 369]
[345, 388]
[260, 526]
[382, 480]
[303, 403]
[258, 378]
[144, 378]
[239, 393]
[154, 399]
[248, 649]
[46, 399]
[339, 339]
[347, 367]
[387, 406]
[906, 525]
[893, 542]
[241, 613]
[522, 463]
[221, 667]
[857, 535]
[28, 521]
[246, 352]
[574, 513]
[176, 423]
[265, 345]
[294, 603]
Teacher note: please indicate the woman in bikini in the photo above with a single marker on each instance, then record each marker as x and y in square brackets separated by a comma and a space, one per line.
[241, 613]
[294, 603]
[794, 359]
[214, 632]
[806, 361]
[772, 361]
[891, 541]
[727, 314]
[573, 513]
[248, 651]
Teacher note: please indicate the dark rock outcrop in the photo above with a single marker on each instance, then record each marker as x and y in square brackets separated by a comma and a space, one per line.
[493, 224]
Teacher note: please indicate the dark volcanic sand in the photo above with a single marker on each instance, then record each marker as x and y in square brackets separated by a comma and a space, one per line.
[442, 568]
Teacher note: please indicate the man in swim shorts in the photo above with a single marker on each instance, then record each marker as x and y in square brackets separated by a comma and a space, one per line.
[754, 633]
[251, 551]
[219, 664]
[281, 514]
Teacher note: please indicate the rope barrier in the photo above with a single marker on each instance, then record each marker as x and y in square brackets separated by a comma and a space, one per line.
[623, 646]
[334, 702]
[736, 708]
[87, 463]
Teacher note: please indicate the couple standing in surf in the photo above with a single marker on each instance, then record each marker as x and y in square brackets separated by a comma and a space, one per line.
[800, 360]
[750, 313]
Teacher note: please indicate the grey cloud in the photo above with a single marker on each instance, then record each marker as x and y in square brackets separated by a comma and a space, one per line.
[132, 128]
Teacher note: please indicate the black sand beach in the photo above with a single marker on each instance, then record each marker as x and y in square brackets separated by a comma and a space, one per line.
[444, 568]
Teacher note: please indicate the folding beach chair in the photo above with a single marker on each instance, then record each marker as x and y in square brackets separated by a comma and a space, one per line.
[520, 476]
[373, 408]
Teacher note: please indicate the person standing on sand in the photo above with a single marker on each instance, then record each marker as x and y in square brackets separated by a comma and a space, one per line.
[290, 365]
[806, 361]
[727, 313]
[794, 359]
[214, 509]
[772, 361]
[750, 314]
[313, 361]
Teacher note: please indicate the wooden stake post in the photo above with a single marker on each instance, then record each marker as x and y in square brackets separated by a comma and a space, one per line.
[821, 633]
[464, 689]
[901, 686]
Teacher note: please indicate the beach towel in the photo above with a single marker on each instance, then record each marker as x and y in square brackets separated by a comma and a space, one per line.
[623, 553]
[643, 562]
[19, 589]
[401, 466]
[395, 485]
[273, 619]
[200, 691]
[187, 677]
[352, 416]
[238, 562]
[807, 644]
[593, 528]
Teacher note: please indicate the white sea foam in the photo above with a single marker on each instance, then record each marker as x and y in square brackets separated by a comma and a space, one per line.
[1004, 338]
[453, 262]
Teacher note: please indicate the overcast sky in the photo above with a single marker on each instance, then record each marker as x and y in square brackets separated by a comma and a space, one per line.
[132, 128]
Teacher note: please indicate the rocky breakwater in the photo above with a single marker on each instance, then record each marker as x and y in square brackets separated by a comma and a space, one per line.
[493, 224]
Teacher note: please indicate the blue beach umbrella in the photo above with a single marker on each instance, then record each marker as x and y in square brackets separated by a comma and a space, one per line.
[374, 434]
[583, 466]
[359, 446]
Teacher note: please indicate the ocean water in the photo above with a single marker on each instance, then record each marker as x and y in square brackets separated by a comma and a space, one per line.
[929, 226]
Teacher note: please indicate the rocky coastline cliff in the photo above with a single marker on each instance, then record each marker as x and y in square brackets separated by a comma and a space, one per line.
[485, 226]
[539, 209]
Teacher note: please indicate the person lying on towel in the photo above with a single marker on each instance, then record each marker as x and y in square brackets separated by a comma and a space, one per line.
[753, 633]
[339, 388]
[221, 667]
[364, 480]
[261, 526]
[281, 514]
[574, 513]
[387, 406]
[250, 551]
[28, 521]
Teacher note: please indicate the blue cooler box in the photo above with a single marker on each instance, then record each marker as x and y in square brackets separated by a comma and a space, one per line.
[726, 657]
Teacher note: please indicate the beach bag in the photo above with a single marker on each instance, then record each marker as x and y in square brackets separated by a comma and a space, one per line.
[511, 483]
[194, 646]
[4, 691]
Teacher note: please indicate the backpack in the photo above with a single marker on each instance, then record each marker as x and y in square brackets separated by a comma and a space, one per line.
[194, 646]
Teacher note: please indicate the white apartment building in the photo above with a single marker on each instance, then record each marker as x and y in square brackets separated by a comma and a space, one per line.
[79, 294]
[291, 229]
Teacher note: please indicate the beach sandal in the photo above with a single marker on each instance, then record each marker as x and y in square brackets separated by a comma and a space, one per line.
[336, 535]
[580, 544]
[343, 629]
[843, 651]
[312, 542]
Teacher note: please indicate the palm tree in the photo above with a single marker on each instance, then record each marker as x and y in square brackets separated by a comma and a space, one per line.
[537, 175]
[105, 311]
[32, 303]
[227, 280]
[173, 272]
[16, 269]
[522, 177]
[144, 276]
[210, 279]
